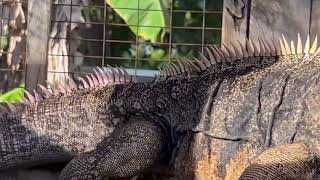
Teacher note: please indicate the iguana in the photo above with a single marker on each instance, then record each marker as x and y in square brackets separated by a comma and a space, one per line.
[247, 111]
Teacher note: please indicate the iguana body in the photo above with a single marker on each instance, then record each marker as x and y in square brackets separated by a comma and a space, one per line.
[209, 119]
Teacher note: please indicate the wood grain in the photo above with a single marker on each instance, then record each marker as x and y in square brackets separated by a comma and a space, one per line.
[235, 20]
[315, 19]
[275, 17]
[37, 42]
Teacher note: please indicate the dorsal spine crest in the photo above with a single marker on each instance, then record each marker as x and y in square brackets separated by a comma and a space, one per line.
[229, 55]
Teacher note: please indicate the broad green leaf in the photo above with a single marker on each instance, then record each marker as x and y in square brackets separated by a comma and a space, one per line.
[143, 21]
[13, 96]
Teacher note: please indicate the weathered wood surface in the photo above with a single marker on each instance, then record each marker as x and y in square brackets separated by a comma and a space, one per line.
[37, 41]
[258, 18]
[315, 19]
[235, 20]
[276, 17]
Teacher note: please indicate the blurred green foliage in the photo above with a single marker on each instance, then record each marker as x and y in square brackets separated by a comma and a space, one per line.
[13, 96]
[144, 18]
[152, 48]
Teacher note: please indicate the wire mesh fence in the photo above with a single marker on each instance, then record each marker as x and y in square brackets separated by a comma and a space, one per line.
[138, 35]
[13, 16]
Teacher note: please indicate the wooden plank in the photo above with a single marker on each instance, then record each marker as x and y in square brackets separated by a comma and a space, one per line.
[235, 20]
[276, 17]
[37, 42]
[315, 16]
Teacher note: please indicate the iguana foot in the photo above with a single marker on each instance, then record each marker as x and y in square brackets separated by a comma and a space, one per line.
[285, 162]
[128, 151]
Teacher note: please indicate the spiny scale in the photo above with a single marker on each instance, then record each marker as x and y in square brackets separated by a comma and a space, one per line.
[109, 75]
[233, 53]
[100, 78]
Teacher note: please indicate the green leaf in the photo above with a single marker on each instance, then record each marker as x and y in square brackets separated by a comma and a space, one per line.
[13, 96]
[150, 14]
[157, 54]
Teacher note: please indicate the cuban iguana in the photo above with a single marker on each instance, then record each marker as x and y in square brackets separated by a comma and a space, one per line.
[248, 111]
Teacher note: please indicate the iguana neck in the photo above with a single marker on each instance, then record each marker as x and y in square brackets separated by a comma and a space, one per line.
[174, 102]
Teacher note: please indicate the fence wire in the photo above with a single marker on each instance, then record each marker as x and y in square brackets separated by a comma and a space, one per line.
[89, 33]
[13, 17]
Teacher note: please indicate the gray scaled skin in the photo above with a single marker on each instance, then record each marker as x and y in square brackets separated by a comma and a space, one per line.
[236, 113]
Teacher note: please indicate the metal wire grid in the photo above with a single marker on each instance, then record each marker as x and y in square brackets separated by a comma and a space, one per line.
[108, 43]
[7, 16]
[11, 69]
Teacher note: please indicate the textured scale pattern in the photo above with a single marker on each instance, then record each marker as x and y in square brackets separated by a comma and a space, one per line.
[57, 124]
[121, 156]
[256, 104]
[292, 161]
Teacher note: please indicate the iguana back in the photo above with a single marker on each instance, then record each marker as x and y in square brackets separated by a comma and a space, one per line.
[210, 117]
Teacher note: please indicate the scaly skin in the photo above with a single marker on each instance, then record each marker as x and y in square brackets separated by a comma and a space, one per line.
[208, 122]
[56, 129]
[275, 109]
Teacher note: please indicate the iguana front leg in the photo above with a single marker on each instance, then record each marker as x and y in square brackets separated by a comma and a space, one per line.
[284, 162]
[129, 150]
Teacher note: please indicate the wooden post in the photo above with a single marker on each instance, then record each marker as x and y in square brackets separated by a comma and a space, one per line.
[315, 16]
[235, 20]
[37, 42]
[276, 17]
[259, 18]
